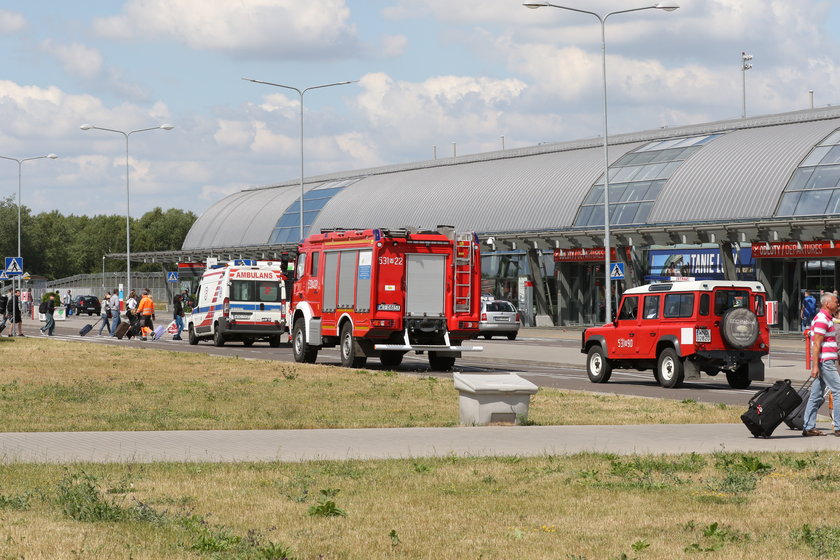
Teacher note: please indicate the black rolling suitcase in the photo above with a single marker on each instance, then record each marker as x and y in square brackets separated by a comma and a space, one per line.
[796, 419]
[87, 328]
[769, 407]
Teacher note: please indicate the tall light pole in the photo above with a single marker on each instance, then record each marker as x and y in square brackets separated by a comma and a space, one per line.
[300, 93]
[127, 197]
[20, 173]
[745, 65]
[666, 6]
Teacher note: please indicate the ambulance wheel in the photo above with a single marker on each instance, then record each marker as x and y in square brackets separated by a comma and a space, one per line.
[274, 341]
[348, 348]
[218, 338]
[303, 352]
[192, 336]
[440, 363]
[670, 368]
[391, 358]
[248, 342]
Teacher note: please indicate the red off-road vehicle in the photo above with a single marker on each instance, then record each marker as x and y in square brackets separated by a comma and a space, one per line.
[680, 329]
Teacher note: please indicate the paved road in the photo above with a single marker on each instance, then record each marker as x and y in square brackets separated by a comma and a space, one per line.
[389, 443]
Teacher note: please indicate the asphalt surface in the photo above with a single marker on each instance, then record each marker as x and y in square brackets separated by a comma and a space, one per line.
[558, 347]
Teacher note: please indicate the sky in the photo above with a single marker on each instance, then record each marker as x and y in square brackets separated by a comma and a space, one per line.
[429, 77]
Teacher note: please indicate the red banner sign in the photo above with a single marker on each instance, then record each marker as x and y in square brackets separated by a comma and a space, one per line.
[595, 254]
[794, 250]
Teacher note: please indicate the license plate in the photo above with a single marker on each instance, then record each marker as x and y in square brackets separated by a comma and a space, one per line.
[502, 318]
[703, 335]
[266, 319]
[241, 315]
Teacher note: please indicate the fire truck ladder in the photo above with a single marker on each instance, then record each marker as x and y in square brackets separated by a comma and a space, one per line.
[463, 264]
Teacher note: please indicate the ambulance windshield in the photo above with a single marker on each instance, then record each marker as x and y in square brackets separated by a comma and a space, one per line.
[255, 290]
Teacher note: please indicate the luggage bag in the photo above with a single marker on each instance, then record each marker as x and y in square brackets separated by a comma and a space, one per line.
[87, 328]
[158, 332]
[122, 329]
[796, 419]
[769, 407]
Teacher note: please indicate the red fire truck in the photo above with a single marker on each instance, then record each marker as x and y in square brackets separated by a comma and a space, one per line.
[383, 293]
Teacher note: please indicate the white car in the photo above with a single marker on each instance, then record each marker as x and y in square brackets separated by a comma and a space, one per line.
[498, 317]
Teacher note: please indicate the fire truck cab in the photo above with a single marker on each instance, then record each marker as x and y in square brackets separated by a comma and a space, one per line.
[383, 293]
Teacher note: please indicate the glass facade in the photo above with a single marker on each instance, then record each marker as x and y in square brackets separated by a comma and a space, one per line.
[287, 229]
[636, 180]
[814, 188]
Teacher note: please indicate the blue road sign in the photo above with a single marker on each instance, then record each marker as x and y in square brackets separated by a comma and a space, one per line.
[171, 276]
[617, 271]
[14, 266]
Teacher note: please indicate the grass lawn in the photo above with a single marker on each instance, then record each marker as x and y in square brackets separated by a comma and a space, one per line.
[589, 506]
[48, 385]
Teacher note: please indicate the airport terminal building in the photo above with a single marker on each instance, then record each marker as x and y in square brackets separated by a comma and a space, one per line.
[754, 199]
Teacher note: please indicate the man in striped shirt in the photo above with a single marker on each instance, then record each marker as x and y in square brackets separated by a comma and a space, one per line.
[824, 368]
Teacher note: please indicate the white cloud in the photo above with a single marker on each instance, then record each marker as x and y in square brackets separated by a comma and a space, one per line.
[77, 59]
[394, 46]
[11, 22]
[262, 28]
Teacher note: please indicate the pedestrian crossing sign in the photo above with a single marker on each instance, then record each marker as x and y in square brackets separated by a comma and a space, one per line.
[171, 276]
[617, 271]
[3, 275]
[14, 266]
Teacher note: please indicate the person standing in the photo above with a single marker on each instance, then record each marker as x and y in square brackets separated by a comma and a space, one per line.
[105, 313]
[824, 368]
[49, 310]
[68, 303]
[178, 313]
[4, 302]
[809, 309]
[13, 309]
[114, 303]
[146, 311]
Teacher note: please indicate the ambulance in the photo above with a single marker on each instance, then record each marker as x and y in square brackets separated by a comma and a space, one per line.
[382, 293]
[240, 301]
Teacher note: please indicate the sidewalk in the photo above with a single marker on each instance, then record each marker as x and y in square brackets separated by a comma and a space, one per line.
[396, 443]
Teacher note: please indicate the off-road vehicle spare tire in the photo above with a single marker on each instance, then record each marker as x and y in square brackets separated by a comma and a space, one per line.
[739, 327]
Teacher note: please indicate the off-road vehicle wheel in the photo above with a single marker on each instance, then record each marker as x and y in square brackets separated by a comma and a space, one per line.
[740, 378]
[670, 369]
[598, 367]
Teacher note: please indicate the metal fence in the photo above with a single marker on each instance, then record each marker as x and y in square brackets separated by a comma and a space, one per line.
[97, 284]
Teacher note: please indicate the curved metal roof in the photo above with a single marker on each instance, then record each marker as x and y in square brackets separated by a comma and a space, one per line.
[738, 176]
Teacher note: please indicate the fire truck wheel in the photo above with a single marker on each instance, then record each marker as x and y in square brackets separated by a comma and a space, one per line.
[274, 341]
[247, 341]
[303, 352]
[740, 378]
[218, 338]
[440, 363]
[598, 367]
[670, 369]
[192, 336]
[348, 348]
[391, 358]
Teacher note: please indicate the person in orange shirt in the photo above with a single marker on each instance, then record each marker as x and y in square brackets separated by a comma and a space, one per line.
[146, 310]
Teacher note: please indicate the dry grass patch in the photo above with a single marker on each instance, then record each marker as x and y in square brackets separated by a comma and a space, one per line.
[588, 506]
[48, 385]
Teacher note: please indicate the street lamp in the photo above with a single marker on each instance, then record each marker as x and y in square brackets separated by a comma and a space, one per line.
[666, 6]
[300, 93]
[127, 205]
[745, 65]
[20, 165]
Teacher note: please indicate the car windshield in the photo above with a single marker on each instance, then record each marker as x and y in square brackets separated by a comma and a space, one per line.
[500, 306]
